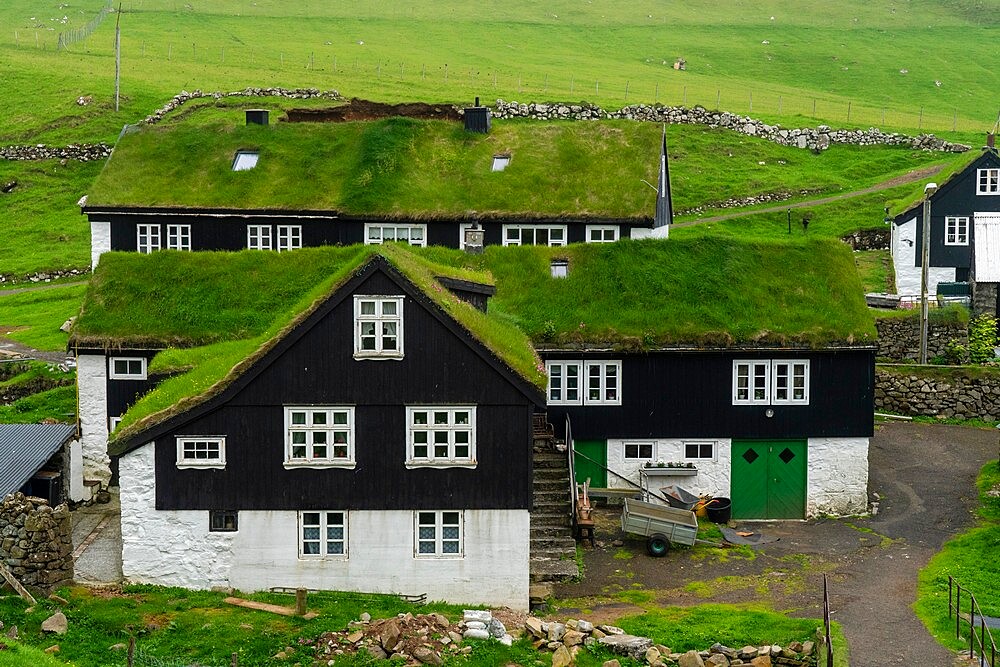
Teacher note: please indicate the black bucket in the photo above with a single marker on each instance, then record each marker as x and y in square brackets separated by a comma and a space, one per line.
[720, 510]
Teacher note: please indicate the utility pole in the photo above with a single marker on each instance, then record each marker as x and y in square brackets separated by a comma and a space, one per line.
[925, 255]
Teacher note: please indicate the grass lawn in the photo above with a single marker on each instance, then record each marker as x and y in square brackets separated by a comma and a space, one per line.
[58, 404]
[875, 270]
[33, 318]
[971, 558]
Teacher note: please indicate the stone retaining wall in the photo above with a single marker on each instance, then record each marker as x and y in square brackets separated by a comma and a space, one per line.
[813, 138]
[81, 152]
[899, 338]
[868, 239]
[36, 541]
[909, 392]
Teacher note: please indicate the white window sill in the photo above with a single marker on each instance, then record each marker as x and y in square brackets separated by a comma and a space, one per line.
[320, 465]
[789, 402]
[442, 464]
[318, 558]
[375, 356]
[439, 557]
[187, 465]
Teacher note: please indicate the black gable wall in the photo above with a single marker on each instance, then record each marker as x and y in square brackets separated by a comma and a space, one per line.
[438, 368]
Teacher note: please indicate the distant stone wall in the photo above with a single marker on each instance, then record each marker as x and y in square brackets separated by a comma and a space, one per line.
[868, 239]
[899, 338]
[36, 541]
[80, 152]
[915, 393]
[813, 138]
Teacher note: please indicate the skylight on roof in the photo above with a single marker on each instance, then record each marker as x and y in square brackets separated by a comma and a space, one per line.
[500, 162]
[245, 160]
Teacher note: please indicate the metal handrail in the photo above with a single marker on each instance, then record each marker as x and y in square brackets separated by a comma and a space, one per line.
[975, 641]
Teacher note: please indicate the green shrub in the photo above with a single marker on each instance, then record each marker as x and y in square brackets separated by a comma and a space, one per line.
[982, 338]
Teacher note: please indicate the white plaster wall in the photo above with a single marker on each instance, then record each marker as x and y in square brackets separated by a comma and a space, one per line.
[837, 476]
[640, 233]
[100, 241]
[92, 382]
[175, 548]
[76, 488]
[904, 261]
[713, 476]
[167, 548]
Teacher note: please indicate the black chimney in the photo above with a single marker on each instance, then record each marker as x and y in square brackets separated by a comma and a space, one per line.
[256, 116]
[477, 119]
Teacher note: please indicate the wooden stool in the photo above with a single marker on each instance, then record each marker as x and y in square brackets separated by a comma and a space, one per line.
[585, 531]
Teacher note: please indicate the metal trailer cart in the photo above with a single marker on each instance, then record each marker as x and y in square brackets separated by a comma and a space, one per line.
[660, 525]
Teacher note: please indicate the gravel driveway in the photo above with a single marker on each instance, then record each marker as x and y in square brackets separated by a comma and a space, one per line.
[924, 479]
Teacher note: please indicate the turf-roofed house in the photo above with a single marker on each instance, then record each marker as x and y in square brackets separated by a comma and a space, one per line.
[207, 181]
[334, 418]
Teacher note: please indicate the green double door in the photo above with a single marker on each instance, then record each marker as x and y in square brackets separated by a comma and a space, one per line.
[592, 464]
[769, 479]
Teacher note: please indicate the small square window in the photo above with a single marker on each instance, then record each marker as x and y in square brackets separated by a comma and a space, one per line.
[500, 162]
[323, 535]
[127, 368]
[438, 534]
[441, 437]
[699, 450]
[223, 521]
[201, 452]
[639, 450]
[245, 160]
[378, 327]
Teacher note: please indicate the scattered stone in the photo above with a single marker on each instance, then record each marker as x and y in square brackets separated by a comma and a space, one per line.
[561, 657]
[477, 615]
[56, 623]
[427, 656]
[597, 633]
[534, 626]
[717, 660]
[572, 638]
[12, 632]
[118, 647]
[761, 661]
[652, 655]
[389, 636]
[610, 630]
[355, 637]
[496, 628]
[807, 648]
[475, 625]
[377, 653]
[441, 620]
[506, 640]
[630, 645]
[473, 633]
[585, 626]
[365, 617]
[52, 649]
[8, 187]
[556, 632]
[690, 659]
[612, 663]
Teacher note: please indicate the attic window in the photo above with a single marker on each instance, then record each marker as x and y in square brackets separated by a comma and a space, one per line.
[559, 268]
[245, 160]
[500, 161]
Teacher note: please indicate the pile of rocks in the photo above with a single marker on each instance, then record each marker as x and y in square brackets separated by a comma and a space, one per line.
[42, 276]
[80, 152]
[813, 138]
[289, 93]
[36, 541]
[737, 202]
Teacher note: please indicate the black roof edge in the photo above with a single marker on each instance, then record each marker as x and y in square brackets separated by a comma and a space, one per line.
[466, 285]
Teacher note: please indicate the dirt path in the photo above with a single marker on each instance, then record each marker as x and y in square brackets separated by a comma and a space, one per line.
[910, 177]
[924, 476]
[36, 288]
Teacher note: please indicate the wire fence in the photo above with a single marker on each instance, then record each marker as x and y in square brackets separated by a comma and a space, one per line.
[80, 34]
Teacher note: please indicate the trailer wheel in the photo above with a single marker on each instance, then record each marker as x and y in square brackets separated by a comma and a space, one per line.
[657, 545]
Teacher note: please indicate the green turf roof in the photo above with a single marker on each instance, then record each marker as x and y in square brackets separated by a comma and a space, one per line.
[389, 168]
[951, 169]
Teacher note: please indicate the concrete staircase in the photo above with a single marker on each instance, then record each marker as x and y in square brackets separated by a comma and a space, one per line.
[553, 549]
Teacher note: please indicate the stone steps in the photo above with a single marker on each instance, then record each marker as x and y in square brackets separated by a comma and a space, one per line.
[553, 549]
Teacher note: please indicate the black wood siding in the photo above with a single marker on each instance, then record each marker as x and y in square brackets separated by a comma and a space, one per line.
[689, 395]
[122, 394]
[438, 368]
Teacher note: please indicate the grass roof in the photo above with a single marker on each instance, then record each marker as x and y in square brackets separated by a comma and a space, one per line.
[950, 170]
[392, 167]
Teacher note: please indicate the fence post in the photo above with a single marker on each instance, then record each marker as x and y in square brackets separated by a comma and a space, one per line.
[848, 112]
[235, 662]
[685, 95]
[751, 101]
[958, 610]
[718, 98]
[131, 651]
[300, 602]
[626, 91]
[656, 93]
[920, 122]
[779, 105]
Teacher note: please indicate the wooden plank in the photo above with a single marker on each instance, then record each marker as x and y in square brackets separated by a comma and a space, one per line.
[15, 584]
[263, 606]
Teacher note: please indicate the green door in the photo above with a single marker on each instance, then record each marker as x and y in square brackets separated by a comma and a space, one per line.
[597, 451]
[769, 479]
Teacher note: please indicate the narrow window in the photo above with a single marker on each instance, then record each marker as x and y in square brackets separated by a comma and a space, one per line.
[956, 230]
[564, 382]
[127, 368]
[378, 327]
[289, 237]
[319, 436]
[438, 534]
[989, 182]
[259, 237]
[791, 381]
[441, 436]
[147, 238]
[602, 382]
[201, 452]
[751, 382]
[323, 535]
[178, 237]
[223, 521]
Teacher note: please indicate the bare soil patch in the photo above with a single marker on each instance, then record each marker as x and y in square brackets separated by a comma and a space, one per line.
[367, 110]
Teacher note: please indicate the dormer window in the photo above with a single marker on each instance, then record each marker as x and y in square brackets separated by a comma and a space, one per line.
[559, 267]
[988, 182]
[245, 160]
[500, 162]
[378, 327]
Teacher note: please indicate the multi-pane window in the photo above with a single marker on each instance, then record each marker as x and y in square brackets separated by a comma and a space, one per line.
[579, 382]
[223, 521]
[770, 382]
[989, 182]
[551, 235]
[259, 237]
[380, 233]
[127, 368]
[602, 233]
[201, 452]
[441, 435]
[178, 237]
[289, 237]
[438, 534]
[639, 450]
[378, 326]
[956, 230]
[147, 238]
[322, 534]
[700, 450]
[319, 436]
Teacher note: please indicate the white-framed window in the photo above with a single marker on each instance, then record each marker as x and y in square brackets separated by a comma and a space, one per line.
[147, 238]
[378, 327]
[988, 182]
[702, 450]
[500, 162]
[771, 382]
[113, 423]
[223, 521]
[602, 233]
[441, 436]
[323, 535]
[245, 160]
[178, 237]
[956, 230]
[584, 382]
[319, 436]
[639, 450]
[376, 233]
[259, 237]
[127, 368]
[551, 235]
[438, 534]
[200, 451]
[289, 237]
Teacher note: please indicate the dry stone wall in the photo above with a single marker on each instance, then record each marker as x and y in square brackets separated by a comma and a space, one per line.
[899, 338]
[36, 541]
[908, 392]
[813, 138]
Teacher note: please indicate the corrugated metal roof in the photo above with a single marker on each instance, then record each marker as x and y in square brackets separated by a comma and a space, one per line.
[25, 448]
[987, 235]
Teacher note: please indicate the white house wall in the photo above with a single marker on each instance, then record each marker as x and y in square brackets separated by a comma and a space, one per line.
[837, 475]
[92, 381]
[175, 548]
[907, 268]
[100, 241]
